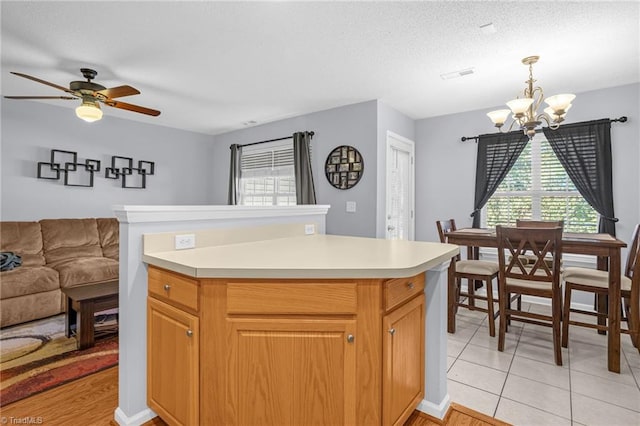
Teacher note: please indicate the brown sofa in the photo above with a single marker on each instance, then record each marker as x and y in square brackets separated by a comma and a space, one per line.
[56, 253]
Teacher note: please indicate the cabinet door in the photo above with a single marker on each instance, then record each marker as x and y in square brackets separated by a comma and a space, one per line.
[403, 361]
[292, 372]
[172, 363]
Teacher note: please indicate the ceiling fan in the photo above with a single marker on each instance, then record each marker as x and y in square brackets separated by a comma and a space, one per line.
[91, 94]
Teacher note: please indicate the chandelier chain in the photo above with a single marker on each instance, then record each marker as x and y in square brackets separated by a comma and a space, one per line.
[531, 73]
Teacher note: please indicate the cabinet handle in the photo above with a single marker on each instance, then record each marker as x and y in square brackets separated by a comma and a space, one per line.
[189, 333]
[167, 287]
[410, 285]
[392, 331]
[350, 338]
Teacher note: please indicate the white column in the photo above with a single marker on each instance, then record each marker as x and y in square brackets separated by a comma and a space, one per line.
[132, 363]
[436, 398]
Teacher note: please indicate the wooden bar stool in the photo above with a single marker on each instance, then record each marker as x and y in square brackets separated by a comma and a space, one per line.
[597, 282]
[541, 278]
[471, 270]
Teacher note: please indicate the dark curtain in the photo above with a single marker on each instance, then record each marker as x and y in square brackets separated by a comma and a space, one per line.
[234, 173]
[497, 153]
[584, 150]
[305, 190]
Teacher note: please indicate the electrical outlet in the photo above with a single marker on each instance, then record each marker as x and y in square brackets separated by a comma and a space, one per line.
[351, 206]
[185, 241]
[309, 229]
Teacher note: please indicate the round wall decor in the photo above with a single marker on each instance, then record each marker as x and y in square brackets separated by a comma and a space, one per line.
[344, 167]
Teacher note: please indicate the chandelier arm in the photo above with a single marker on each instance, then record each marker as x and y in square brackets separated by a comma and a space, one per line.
[546, 118]
[551, 123]
[538, 96]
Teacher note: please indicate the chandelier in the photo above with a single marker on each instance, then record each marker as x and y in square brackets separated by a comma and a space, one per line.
[525, 110]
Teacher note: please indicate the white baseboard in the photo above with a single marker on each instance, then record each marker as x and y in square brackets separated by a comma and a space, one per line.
[135, 420]
[437, 411]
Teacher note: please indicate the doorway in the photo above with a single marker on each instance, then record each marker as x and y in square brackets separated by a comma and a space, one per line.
[400, 188]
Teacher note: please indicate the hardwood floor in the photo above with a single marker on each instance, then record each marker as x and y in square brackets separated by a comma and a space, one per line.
[87, 401]
[458, 415]
[92, 400]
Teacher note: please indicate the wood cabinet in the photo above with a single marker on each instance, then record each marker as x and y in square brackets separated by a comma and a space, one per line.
[291, 372]
[403, 361]
[172, 363]
[286, 351]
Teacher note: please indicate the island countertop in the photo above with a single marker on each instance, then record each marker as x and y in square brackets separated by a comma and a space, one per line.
[308, 256]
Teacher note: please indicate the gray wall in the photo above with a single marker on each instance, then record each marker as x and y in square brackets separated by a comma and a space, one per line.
[192, 168]
[350, 125]
[445, 166]
[364, 126]
[31, 129]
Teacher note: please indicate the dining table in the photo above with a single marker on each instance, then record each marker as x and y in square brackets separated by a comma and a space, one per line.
[605, 247]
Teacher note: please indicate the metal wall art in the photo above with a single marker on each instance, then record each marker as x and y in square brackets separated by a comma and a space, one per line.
[71, 168]
[344, 167]
[66, 163]
[123, 167]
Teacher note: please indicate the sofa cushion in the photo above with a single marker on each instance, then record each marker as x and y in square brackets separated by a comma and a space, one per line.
[65, 239]
[27, 280]
[30, 307]
[86, 270]
[24, 239]
[109, 231]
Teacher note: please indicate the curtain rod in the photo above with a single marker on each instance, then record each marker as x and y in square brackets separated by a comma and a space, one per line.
[272, 140]
[622, 119]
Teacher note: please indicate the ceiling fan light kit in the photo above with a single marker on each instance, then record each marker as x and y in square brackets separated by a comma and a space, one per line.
[89, 111]
[91, 94]
[524, 111]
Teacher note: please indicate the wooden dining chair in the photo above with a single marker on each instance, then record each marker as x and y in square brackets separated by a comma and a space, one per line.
[597, 282]
[530, 223]
[540, 278]
[472, 270]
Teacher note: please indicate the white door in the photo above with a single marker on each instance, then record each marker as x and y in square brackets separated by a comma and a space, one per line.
[400, 184]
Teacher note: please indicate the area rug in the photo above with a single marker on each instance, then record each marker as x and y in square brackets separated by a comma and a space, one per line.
[37, 356]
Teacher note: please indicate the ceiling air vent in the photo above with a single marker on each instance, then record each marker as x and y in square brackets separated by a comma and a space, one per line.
[456, 74]
[488, 28]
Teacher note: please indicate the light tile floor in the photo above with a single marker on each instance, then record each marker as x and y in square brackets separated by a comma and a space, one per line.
[523, 386]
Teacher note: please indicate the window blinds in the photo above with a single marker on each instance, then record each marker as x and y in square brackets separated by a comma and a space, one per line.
[268, 155]
[538, 187]
[267, 174]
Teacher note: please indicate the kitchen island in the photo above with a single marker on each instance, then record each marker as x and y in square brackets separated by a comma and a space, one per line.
[302, 329]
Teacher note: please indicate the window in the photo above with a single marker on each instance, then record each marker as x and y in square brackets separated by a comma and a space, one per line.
[267, 176]
[537, 187]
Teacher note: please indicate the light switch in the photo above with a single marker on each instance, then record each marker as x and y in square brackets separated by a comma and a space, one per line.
[351, 206]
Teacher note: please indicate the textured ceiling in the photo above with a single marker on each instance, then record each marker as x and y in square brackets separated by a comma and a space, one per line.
[212, 66]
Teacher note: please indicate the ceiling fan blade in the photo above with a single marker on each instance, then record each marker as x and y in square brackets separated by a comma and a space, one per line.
[118, 92]
[41, 97]
[64, 89]
[131, 107]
